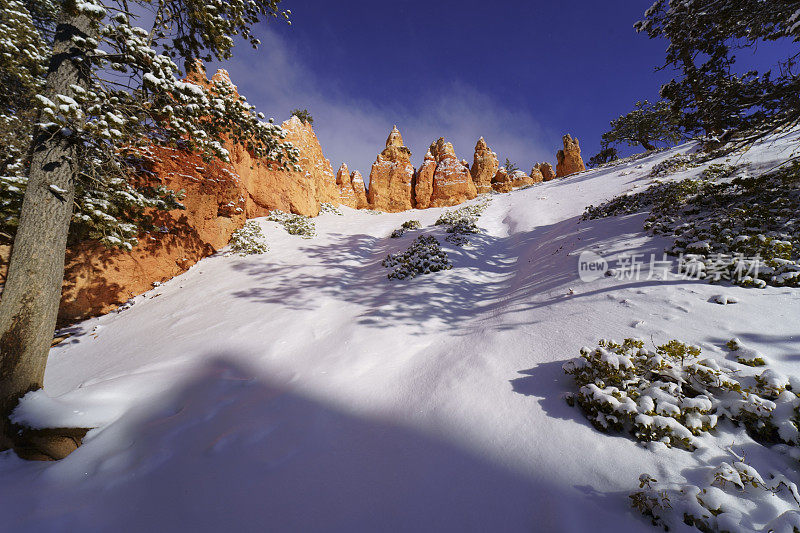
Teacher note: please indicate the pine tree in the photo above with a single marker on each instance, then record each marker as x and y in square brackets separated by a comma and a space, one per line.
[303, 115]
[510, 166]
[111, 91]
[606, 155]
[24, 50]
[704, 36]
[645, 125]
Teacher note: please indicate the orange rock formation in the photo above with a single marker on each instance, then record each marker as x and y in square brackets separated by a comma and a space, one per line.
[484, 167]
[546, 169]
[359, 189]
[452, 181]
[501, 182]
[569, 159]
[219, 198]
[391, 178]
[536, 175]
[423, 190]
[300, 192]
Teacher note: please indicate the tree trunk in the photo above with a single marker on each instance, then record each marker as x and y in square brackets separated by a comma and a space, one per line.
[647, 145]
[32, 292]
[690, 72]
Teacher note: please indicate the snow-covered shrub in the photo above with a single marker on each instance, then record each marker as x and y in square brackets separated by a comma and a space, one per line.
[463, 214]
[249, 240]
[294, 224]
[724, 502]
[457, 233]
[671, 395]
[745, 230]
[656, 197]
[626, 160]
[724, 299]
[408, 225]
[422, 257]
[462, 222]
[330, 208]
[744, 355]
[719, 171]
[676, 163]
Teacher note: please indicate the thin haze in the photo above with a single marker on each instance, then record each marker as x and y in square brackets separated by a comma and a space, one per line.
[353, 129]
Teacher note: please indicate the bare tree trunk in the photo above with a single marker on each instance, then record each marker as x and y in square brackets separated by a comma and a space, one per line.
[690, 72]
[32, 292]
[647, 145]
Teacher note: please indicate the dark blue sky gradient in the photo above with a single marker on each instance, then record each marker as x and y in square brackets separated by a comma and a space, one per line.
[572, 65]
[547, 67]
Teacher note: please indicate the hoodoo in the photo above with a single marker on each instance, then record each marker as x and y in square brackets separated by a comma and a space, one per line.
[391, 178]
[569, 159]
[484, 167]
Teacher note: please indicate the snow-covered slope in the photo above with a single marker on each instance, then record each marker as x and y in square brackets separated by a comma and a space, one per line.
[302, 390]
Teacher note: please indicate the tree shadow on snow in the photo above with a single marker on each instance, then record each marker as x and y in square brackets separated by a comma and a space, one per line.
[493, 277]
[230, 450]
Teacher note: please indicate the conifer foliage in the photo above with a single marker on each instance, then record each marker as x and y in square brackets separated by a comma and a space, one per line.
[711, 96]
[106, 80]
[135, 96]
[645, 126]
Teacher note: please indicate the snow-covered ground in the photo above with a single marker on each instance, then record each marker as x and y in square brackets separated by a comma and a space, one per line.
[302, 390]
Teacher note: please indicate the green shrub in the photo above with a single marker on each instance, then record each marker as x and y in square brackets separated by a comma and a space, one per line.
[330, 208]
[676, 163]
[406, 226]
[462, 222]
[745, 231]
[422, 257]
[248, 240]
[294, 224]
[744, 355]
[719, 171]
[671, 395]
[304, 116]
[724, 503]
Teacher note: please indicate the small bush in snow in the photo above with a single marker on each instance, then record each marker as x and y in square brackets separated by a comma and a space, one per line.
[745, 230]
[406, 226]
[626, 160]
[744, 355]
[724, 502]
[462, 222]
[719, 171]
[671, 395]
[422, 257]
[457, 233]
[463, 214]
[248, 240]
[330, 208]
[294, 224]
[674, 164]
[724, 299]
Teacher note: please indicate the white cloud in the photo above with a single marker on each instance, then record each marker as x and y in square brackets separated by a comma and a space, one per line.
[353, 130]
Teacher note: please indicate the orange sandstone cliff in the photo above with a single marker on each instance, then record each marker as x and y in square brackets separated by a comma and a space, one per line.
[219, 198]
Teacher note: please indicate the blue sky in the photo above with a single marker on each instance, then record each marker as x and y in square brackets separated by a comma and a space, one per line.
[519, 73]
